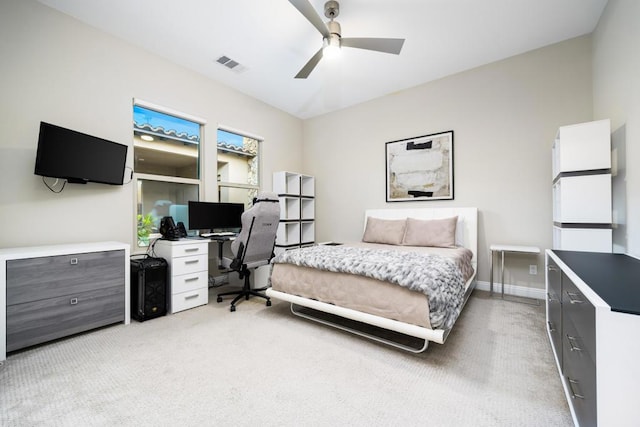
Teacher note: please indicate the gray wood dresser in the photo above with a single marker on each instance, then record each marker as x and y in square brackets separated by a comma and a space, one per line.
[593, 323]
[49, 292]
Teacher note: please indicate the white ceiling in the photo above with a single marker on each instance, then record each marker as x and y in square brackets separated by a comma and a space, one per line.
[272, 41]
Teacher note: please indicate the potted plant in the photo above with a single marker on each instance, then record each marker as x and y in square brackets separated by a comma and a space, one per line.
[145, 225]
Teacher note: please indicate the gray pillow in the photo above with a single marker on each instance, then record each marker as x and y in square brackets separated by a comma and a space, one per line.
[388, 231]
[431, 232]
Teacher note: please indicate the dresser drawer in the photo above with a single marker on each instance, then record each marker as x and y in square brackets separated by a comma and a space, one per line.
[189, 282]
[188, 249]
[579, 371]
[554, 307]
[554, 323]
[40, 278]
[578, 309]
[189, 299]
[574, 349]
[44, 320]
[189, 265]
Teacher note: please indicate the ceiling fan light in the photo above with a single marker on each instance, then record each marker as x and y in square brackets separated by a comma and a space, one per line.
[331, 47]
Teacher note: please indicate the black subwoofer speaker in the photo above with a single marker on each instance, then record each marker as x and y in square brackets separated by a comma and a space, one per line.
[148, 288]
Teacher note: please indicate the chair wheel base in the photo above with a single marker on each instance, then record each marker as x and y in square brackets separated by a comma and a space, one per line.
[232, 308]
[219, 299]
[268, 303]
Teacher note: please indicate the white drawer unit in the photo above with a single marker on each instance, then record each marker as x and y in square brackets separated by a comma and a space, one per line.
[187, 261]
[189, 282]
[188, 264]
[50, 292]
[190, 299]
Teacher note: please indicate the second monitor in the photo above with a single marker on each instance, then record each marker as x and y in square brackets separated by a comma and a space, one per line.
[215, 216]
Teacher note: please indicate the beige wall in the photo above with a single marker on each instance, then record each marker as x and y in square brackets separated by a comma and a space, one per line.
[504, 117]
[59, 70]
[616, 92]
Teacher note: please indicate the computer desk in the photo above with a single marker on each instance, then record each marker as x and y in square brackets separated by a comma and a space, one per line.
[220, 240]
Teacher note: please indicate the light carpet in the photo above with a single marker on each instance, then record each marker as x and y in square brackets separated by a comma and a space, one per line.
[263, 366]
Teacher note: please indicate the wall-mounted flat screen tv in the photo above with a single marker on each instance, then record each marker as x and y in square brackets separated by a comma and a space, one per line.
[79, 158]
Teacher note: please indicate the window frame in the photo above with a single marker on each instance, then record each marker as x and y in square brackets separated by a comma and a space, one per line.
[200, 181]
[236, 185]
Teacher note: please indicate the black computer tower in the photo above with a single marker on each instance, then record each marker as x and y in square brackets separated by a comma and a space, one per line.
[148, 288]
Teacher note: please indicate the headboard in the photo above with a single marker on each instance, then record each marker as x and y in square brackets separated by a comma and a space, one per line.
[466, 228]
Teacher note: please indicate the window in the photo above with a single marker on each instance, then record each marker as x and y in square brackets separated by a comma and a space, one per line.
[238, 167]
[165, 145]
[167, 151]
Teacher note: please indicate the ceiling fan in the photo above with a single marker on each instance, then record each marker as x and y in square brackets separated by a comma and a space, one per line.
[331, 35]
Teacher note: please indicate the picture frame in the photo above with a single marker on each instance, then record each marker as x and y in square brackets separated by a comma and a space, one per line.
[420, 168]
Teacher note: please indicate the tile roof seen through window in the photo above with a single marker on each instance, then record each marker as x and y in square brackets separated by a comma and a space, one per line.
[164, 125]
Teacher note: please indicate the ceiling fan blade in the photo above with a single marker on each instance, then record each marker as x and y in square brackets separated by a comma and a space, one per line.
[381, 45]
[310, 65]
[307, 10]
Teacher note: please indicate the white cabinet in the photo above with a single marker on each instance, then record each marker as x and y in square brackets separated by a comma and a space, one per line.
[582, 147]
[583, 199]
[50, 292]
[581, 164]
[188, 273]
[296, 193]
[575, 239]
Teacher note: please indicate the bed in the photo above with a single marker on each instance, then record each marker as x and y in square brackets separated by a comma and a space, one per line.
[386, 283]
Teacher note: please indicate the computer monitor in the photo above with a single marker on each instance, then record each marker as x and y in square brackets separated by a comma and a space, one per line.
[215, 216]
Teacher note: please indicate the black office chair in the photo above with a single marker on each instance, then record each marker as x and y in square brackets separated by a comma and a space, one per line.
[254, 245]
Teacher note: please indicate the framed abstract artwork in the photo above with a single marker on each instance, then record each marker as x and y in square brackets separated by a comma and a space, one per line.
[420, 168]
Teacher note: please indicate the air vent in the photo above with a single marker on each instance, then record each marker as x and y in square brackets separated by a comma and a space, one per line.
[230, 64]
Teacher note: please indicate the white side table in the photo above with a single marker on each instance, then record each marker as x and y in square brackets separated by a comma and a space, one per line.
[502, 249]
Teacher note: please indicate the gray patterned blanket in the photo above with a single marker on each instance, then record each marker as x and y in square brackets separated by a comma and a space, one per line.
[436, 276]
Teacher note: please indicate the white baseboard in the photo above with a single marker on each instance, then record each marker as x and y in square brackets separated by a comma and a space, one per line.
[515, 290]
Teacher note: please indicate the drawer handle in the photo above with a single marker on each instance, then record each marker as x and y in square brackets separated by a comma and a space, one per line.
[192, 296]
[191, 279]
[551, 327]
[552, 268]
[74, 261]
[195, 261]
[192, 249]
[574, 298]
[551, 298]
[574, 395]
[571, 341]
[73, 301]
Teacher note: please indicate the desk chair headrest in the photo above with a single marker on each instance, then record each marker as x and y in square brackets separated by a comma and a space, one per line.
[266, 197]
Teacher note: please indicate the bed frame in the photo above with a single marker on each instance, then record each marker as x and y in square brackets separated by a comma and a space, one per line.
[466, 235]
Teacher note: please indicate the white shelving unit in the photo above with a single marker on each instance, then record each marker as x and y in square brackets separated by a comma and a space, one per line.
[296, 193]
[581, 166]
